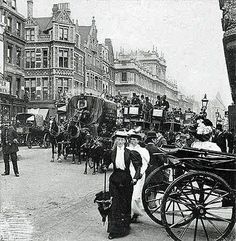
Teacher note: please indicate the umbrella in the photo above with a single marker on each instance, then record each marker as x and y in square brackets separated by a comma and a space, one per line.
[104, 201]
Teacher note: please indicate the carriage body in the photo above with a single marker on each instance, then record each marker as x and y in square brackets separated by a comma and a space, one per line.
[31, 129]
[98, 111]
[193, 193]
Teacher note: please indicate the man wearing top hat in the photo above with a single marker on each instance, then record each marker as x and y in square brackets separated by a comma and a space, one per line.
[137, 207]
[121, 184]
[9, 148]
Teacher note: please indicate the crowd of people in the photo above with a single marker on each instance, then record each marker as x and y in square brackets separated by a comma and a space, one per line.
[133, 159]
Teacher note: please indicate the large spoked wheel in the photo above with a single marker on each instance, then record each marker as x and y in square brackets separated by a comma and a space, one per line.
[203, 203]
[29, 140]
[154, 188]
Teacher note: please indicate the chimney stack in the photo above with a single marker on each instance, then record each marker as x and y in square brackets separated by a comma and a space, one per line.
[30, 8]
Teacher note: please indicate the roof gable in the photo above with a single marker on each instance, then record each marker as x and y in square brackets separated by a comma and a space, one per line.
[63, 17]
[31, 22]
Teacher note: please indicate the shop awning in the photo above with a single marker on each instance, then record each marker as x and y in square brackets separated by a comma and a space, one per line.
[38, 111]
[43, 112]
[62, 109]
[33, 111]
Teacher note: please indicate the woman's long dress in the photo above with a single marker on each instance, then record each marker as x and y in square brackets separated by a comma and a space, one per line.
[121, 190]
[136, 204]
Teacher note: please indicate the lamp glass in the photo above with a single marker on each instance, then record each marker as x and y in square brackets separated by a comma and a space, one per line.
[204, 101]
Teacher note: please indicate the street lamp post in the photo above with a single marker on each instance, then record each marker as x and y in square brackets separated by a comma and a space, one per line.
[204, 106]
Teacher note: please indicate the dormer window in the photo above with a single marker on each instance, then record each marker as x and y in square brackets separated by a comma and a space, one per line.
[30, 34]
[63, 34]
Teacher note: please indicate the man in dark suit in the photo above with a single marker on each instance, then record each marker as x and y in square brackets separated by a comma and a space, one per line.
[220, 138]
[152, 146]
[9, 148]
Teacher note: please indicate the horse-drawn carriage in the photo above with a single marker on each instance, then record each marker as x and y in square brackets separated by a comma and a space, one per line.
[193, 195]
[31, 130]
[90, 123]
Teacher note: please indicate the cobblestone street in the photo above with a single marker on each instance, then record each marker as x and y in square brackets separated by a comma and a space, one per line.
[54, 201]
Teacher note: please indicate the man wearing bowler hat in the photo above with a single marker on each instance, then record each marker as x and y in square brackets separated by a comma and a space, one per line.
[151, 145]
[9, 148]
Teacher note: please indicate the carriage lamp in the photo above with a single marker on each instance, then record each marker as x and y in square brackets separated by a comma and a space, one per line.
[205, 102]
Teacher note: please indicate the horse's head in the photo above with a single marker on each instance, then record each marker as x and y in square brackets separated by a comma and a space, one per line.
[53, 128]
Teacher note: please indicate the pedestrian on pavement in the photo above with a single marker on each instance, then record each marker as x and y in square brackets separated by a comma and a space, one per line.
[121, 185]
[220, 138]
[136, 205]
[230, 139]
[9, 148]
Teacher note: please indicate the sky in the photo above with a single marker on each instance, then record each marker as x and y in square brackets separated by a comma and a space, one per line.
[187, 32]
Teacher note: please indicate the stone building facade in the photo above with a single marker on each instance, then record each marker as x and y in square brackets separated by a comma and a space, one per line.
[228, 8]
[54, 60]
[12, 65]
[99, 62]
[144, 73]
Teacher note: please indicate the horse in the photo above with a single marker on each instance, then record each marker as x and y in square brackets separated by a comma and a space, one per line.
[56, 138]
[94, 152]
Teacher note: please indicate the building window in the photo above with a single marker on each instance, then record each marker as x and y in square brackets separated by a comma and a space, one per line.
[45, 88]
[9, 24]
[13, 4]
[124, 76]
[33, 89]
[30, 59]
[63, 58]
[87, 80]
[9, 54]
[45, 58]
[63, 33]
[18, 57]
[30, 34]
[18, 28]
[18, 87]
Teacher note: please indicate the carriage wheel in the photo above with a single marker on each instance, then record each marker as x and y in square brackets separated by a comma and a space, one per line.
[154, 188]
[203, 202]
[29, 141]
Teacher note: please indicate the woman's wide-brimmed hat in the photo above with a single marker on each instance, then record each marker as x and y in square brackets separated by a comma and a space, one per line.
[133, 134]
[122, 134]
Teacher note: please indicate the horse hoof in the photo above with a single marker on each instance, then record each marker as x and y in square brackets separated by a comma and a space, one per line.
[73, 162]
[93, 173]
[59, 160]
[52, 160]
[85, 172]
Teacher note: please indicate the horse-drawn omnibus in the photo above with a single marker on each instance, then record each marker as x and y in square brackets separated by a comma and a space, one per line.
[31, 130]
[92, 112]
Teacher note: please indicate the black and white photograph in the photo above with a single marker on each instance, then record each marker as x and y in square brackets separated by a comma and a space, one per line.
[117, 120]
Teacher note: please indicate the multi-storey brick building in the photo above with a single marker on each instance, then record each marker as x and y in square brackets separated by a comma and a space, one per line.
[12, 65]
[99, 61]
[144, 73]
[54, 60]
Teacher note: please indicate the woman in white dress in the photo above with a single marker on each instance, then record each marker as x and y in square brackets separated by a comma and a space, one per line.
[136, 204]
[203, 135]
